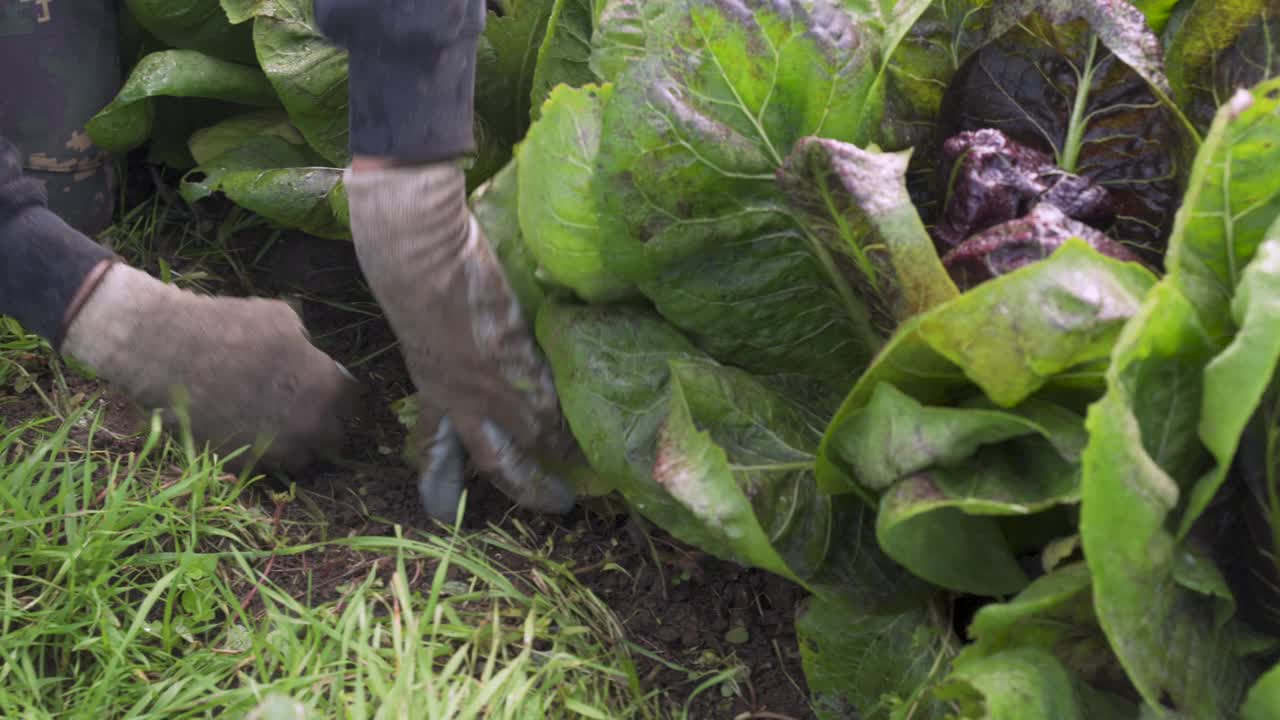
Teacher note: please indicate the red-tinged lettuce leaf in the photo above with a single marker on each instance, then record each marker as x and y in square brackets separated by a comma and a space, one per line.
[630, 386]
[1014, 244]
[873, 666]
[1143, 455]
[307, 71]
[558, 215]
[1084, 83]
[1232, 197]
[692, 140]
[718, 458]
[1219, 48]
[854, 202]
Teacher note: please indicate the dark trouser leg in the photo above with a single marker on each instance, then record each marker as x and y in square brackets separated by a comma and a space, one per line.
[43, 261]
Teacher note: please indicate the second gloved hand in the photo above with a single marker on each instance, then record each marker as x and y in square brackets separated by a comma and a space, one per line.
[482, 384]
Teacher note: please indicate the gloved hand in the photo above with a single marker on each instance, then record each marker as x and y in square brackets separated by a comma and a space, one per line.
[243, 370]
[482, 385]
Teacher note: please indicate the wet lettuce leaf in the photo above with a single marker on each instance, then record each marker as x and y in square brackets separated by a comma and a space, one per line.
[284, 182]
[1219, 48]
[558, 216]
[194, 25]
[307, 71]
[127, 122]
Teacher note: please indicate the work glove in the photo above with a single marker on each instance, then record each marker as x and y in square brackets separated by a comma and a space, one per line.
[242, 371]
[483, 389]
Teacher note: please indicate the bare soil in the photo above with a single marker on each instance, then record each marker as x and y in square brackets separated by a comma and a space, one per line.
[683, 606]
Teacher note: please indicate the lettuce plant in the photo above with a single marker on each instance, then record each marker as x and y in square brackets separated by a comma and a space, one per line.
[924, 305]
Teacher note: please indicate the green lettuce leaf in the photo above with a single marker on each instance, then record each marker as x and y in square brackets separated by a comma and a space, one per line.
[895, 436]
[1011, 337]
[1232, 197]
[308, 72]
[1143, 454]
[1019, 684]
[921, 66]
[557, 210]
[1054, 614]
[747, 476]
[565, 54]
[1219, 48]
[284, 182]
[126, 123]
[612, 371]
[717, 457]
[619, 38]
[496, 207]
[1156, 12]
[693, 138]
[210, 142]
[1263, 700]
[873, 666]
[942, 523]
[1236, 380]
[506, 65]
[195, 25]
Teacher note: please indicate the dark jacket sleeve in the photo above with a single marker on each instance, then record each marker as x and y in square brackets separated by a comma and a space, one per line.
[412, 73]
[43, 261]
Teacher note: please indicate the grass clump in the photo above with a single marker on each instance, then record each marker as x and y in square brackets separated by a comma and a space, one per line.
[153, 584]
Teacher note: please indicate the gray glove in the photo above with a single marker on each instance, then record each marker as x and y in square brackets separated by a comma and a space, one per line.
[242, 370]
[482, 385]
